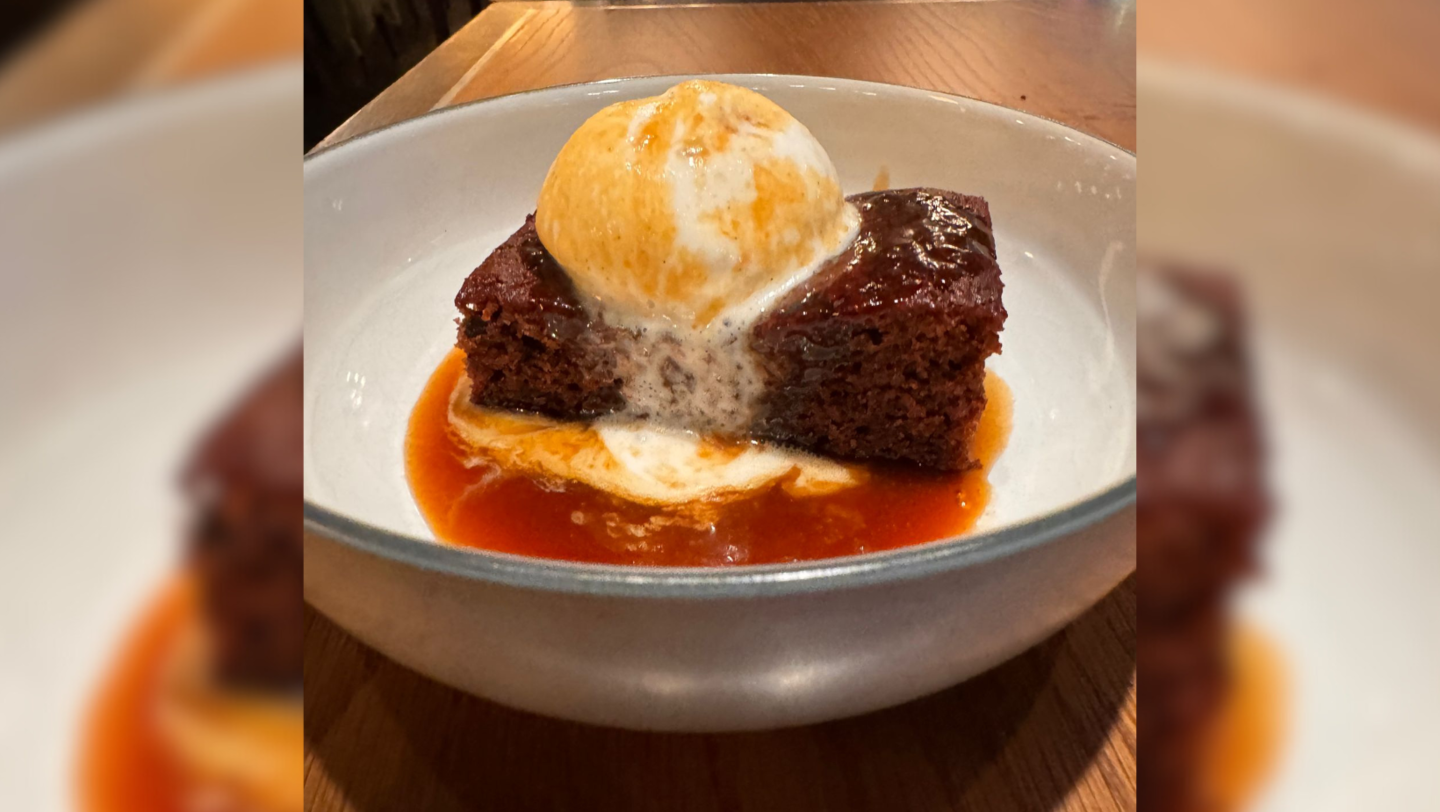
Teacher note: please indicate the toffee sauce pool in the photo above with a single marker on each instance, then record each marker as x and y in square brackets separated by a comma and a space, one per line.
[894, 507]
[124, 764]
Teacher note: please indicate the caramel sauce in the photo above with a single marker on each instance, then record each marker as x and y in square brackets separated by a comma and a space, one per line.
[882, 180]
[893, 507]
[1245, 739]
[124, 765]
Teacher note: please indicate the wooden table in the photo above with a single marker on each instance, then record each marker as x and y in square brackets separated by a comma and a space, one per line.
[1379, 54]
[102, 49]
[1052, 729]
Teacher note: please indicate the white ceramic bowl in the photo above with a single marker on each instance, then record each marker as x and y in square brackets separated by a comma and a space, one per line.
[396, 219]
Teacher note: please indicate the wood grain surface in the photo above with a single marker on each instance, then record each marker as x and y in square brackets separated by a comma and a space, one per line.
[1069, 61]
[1053, 729]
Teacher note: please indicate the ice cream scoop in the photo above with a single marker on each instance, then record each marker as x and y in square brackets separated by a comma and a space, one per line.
[706, 199]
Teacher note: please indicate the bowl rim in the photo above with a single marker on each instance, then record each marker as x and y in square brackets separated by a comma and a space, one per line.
[741, 581]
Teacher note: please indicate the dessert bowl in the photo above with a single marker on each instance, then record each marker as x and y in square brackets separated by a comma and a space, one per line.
[396, 219]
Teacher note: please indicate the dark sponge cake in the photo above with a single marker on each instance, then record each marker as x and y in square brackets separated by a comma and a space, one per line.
[245, 486]
[880, 355]
[1202, 499]
[529, 343]
[1202, 504]
[1183, 669]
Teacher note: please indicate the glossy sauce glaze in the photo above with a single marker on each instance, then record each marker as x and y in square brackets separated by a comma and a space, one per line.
[124, 764]
[914, 246]
[893, 507]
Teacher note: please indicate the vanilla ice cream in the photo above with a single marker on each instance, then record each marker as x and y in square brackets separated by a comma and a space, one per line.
[647, 464]
[706, 201]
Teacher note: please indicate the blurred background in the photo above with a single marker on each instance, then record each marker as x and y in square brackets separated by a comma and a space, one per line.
[60, 56]
[356, 48]
[150, 222]
[1292, 151]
